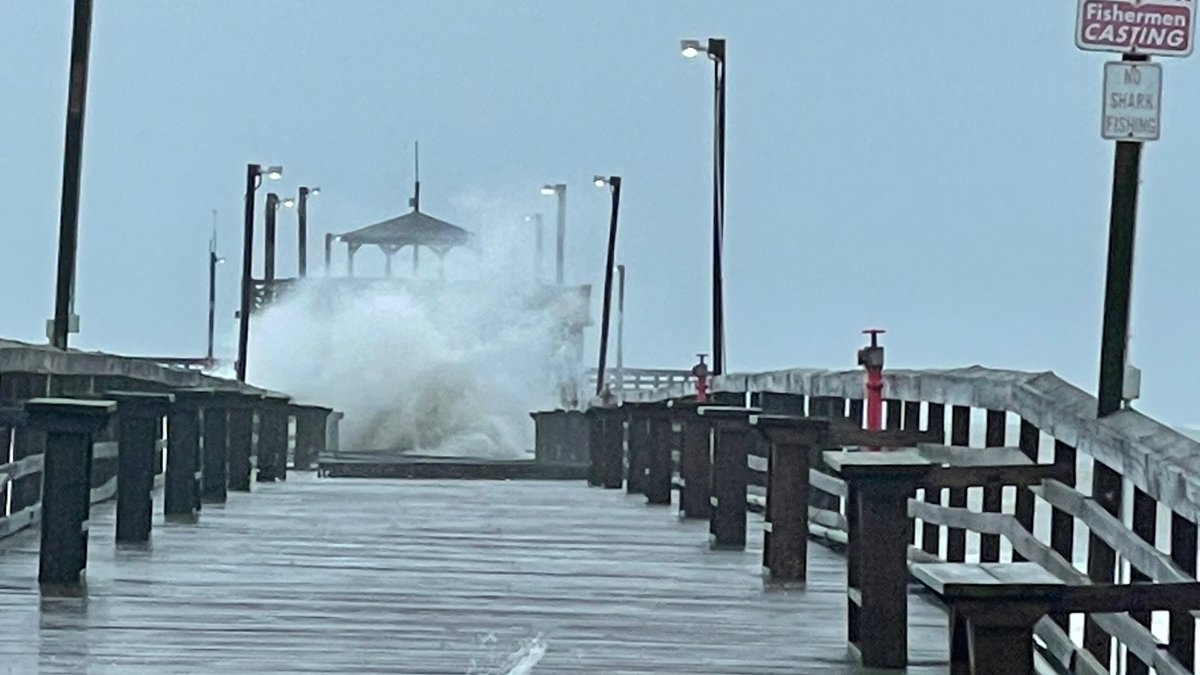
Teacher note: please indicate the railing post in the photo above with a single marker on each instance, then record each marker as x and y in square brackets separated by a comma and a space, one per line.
[731, 445]
[930, 533]
[605, 447]
[333, 431]
[960, 435]
[241, 441]
[139, 416]
[66, 479]
[824, 407]
[272, 437]
[695, 461]
[181, 487]
[659, 467]
[1183, 626]
[877, 567]
[640, 442]
[994, 437]
[311, 423]
[785, 540]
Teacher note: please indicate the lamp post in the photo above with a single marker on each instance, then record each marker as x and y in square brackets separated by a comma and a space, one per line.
[213, 261]
[272, 208]
[620, 332]
[560, 234]
[254, 175]
[536, 219]
[613, 183]
[715, 48]
[302, 220]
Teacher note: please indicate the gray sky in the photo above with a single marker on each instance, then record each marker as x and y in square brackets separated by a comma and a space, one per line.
[934, 168]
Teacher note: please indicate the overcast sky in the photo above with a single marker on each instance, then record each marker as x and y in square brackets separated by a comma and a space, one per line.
[934, 168]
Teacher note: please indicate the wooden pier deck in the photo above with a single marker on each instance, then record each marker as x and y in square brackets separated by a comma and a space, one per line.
[391, 576]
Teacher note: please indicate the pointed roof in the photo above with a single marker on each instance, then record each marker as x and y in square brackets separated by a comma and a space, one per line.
[413, 228]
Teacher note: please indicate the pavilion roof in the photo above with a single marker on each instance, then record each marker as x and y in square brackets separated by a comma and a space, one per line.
[413, 228]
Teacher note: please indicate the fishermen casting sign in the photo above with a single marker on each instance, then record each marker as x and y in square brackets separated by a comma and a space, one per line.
[1146, 27]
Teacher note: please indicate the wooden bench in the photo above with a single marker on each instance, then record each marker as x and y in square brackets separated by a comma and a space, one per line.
[994, 606]
[879, 485]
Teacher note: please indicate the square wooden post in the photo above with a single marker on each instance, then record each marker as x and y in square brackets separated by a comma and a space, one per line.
[140, 416]
[66, 483]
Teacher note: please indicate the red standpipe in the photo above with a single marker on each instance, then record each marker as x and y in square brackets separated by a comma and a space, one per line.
[700, 371]
[871, 358]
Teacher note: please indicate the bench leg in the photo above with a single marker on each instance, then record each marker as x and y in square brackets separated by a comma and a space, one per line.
[1001, 650]
[960, 644]
[787, 492]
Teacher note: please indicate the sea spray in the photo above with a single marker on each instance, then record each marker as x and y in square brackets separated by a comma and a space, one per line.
[424, 365]
[520, 662]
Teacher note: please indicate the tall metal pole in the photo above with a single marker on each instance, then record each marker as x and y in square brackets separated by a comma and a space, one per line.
[620, 330]
[272, 209]
[253, 171]
[328, 252]
[212, 302]
[560, 233]
[537, 247]
[716, 50]
[302, 218]
[614, 183]
[212, 288]
[68, 221]
[1122, 221]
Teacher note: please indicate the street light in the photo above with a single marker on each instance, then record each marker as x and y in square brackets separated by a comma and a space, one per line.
[560, 234]
[302, 223]
[254, 175]
[613, 183]
[715, 49]
[213, 261]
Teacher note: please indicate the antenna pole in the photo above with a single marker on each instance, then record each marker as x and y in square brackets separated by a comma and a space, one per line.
[416, 200]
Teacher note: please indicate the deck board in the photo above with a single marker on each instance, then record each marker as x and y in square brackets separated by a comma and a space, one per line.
[388, 576]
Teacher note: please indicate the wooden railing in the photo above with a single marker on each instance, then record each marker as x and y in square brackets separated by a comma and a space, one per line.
[1126, 509]
[21, 478]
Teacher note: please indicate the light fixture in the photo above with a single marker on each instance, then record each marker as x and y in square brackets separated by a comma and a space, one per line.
[314, 191]
[274, 172]
[220, 260]
[599, 181]
[548, 189]
[288, 202]
[690, 48]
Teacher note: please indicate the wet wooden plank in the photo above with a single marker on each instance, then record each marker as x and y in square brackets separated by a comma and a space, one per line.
[342, 575]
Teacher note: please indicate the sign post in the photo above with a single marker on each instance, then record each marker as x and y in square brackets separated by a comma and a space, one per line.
[1132, 115]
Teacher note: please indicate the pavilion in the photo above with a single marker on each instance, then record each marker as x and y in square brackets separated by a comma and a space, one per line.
[415, 229]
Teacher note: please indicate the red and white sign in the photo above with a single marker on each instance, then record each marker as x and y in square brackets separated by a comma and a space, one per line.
[1161, 27]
